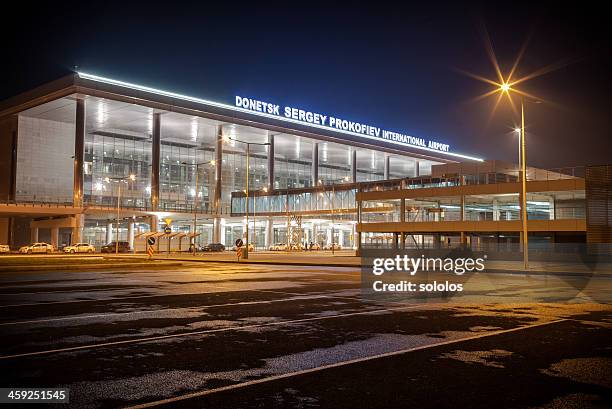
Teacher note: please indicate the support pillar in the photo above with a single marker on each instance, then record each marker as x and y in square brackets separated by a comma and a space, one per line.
[217, 230]
[387, 167]
[270, 163]
[340, 238]
[328, 236]
[355, 237]
[131, 234]
[354, 166]
[77, 230]
[395, 240]
[155, 159]
[79, 152]
[269, 232]
[552, 208]
[314, 172]
[417, 170]
[462, 218]
[403, 240]
[109, 232]
[34, 234]
[218, 170]
[153, 223]
[495, 210]
[54, 236]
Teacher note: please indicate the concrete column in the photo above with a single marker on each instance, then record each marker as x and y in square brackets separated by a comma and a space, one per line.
[417, 170]
[314, 172]
[153, 223]
[109, 232]
[354, 166]
[77, 231]
[34, 234]
[218, 171]
[314, 233]
[355, 236]
[403, 240]
[402, 217]
[395, 240]
[217, 230]
[552, 207]
[270, 163]
[54, 236]
[340, 238]
[328, 236]
[462, 218]
[155, 159]
[79, 152]
[387, 167]
[269, 232]
[131, 234]
[495, 210]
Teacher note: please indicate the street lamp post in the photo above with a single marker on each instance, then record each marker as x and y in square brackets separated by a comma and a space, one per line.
[524, 190]
[195, 200]
[506, 87]
[119, 180]
[245, 254]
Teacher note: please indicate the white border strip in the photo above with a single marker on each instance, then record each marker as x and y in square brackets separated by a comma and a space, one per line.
[137, 87]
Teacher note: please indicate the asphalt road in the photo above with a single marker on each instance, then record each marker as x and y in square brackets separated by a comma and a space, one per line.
[226, 336]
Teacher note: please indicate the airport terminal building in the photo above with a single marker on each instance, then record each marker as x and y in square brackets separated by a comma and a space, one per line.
[92, 159]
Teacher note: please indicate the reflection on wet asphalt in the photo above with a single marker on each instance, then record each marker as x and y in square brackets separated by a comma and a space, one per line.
[120, 338]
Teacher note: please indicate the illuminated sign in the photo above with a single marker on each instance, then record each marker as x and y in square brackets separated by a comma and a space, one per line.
[335, 123]
[296, 116]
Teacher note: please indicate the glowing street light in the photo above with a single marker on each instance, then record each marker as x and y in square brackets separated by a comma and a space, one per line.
[507, 86]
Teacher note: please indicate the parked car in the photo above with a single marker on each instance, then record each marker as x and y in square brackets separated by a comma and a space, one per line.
[37, 248]
[210, 247]
[336, 247]
[4, 249]
[297, 247]
[278, 247]
[124, 247]
[80, 248]
[314, 246]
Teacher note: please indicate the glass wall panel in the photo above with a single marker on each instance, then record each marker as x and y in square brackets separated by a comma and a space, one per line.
[334, 163]
[117, 145]
[370, 165]
[292, 161]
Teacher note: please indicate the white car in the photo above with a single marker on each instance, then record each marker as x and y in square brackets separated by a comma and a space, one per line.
[80, 248]
[37, 248]
[278, 247]
[315, 246]
[336, 246]
[4, 249]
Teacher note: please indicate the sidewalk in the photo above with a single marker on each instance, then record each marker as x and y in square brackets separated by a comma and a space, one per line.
[347, 258]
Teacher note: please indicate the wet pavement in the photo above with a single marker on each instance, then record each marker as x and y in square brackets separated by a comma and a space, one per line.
[230, 335]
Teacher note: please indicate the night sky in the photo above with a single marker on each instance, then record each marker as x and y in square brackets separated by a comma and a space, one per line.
[394, 67]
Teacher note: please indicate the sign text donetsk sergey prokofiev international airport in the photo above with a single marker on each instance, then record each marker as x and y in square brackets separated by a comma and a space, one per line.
[332, 122]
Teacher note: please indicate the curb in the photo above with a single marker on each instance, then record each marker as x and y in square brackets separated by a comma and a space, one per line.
[33, 268]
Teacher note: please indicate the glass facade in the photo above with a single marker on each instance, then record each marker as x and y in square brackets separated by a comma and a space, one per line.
[118, 143]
